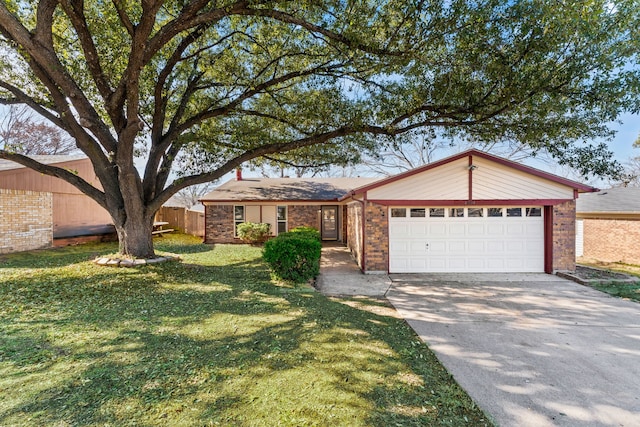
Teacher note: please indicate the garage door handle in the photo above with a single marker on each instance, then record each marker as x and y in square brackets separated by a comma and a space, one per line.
[426, 246]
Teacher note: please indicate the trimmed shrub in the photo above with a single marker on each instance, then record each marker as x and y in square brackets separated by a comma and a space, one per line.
[293, 256]
[251, 232]
[310, 232]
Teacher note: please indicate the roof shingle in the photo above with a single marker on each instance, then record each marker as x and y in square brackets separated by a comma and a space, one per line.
[289, 189]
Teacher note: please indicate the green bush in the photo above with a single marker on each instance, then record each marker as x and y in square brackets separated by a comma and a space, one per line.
[310, 232]
[251, 232]
[294, 256]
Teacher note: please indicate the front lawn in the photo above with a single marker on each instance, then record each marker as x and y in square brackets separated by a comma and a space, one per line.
[209, 341]
[622, 290]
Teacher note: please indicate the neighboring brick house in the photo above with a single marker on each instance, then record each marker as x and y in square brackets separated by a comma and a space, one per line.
[472, 212]
[608, 225]
[73, 216]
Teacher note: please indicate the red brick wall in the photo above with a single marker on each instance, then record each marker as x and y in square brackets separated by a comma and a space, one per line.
[302, 216]
[377, 238]
[219, 224]
[354, 231]
[612, 240]
[564, 236]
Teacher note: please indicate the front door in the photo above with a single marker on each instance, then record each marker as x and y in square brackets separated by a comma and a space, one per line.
[329, 223]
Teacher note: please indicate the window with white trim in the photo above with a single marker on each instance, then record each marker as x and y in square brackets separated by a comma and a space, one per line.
[282, 219]
[238, 218]
[436, 212]
[534, 212]
[475, 212]
[456, 213]
[398, 212]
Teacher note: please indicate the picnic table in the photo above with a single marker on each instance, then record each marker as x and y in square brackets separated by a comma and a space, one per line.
[158, 228]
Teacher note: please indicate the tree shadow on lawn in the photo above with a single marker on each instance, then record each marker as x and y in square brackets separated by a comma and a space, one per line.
[56, 257]
[177, 344]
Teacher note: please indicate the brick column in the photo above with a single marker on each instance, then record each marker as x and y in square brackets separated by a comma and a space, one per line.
[564, 236]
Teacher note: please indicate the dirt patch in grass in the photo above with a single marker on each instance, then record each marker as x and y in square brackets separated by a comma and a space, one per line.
[589, 273]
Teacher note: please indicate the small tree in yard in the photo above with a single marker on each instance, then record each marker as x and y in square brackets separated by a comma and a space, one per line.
[199, 87]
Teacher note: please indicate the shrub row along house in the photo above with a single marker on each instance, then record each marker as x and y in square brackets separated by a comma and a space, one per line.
[472, 212]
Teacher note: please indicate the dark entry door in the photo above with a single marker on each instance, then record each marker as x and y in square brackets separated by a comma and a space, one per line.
[329, 223]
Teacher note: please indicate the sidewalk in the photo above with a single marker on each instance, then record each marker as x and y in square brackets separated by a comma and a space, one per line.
[341, 276]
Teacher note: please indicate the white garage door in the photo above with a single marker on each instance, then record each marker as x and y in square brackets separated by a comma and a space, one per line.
[478, 239]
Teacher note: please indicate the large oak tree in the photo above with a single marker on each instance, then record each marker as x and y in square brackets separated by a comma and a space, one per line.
[199, 87]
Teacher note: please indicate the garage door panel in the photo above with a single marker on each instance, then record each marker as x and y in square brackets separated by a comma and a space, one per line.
[476, 246]
[463, 244]
[476, 230]
[457, 229]
[456, 246]
[495, 246]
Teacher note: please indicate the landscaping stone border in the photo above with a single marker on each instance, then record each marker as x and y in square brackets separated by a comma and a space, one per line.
[115, 262]
[606, 277]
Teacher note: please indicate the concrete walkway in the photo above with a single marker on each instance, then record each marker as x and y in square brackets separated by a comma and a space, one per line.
[341, 276]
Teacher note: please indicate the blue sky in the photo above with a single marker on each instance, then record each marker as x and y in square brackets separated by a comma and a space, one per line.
[628, 131]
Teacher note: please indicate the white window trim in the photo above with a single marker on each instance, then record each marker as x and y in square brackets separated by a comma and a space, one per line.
[235, 221]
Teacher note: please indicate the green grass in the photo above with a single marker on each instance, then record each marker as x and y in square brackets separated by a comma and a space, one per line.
[209, 341]
[623, 290]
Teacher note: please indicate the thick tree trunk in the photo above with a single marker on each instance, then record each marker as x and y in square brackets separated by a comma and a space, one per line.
[135, 237]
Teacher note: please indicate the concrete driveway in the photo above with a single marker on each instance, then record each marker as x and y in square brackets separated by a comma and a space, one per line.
[531, 350]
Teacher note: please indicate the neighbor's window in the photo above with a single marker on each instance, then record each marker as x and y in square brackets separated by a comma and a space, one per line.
[534, 212]
[514, 211]
[475, 212]
[456, 212]
[282, 219]
[494, 212]
[418, 213]
[238, 217]
[398, 212]
[436, 212]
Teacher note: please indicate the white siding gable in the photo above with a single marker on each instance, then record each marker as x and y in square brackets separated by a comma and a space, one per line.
[449, 181]
[493, 181]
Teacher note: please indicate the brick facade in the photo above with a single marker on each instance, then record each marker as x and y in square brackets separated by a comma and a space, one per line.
[612, 240]
[26, 220]
[376, 243]
[219, 224]
[564, 236]
[303, 216]
[354, 231]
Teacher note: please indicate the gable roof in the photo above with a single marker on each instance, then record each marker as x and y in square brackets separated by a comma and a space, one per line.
[286, 189]
[612, 200]
[518, 166]
[44, 159]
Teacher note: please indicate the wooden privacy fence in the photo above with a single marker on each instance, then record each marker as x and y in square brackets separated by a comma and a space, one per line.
[184, 220]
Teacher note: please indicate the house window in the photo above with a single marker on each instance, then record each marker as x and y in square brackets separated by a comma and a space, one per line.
[534, 212]
[238, 218]
[418, 213]
[456, 212]
[282, 219]
[494, 212]
[436, 212]
[514, 211]
[398, 212]
[475, 212]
